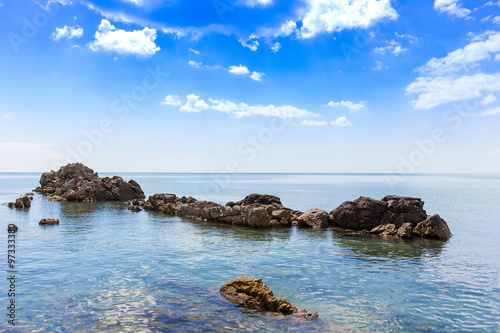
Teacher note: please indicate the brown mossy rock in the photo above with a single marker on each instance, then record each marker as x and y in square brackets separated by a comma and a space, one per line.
[314, 218]
[49, 222]
[76, 182]
[251, 293]
[434, 227]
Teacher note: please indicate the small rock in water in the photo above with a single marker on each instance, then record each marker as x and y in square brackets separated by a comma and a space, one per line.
[12, 228]
[49, 222]
[253, 294]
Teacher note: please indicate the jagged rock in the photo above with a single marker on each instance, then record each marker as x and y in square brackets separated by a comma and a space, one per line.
[253, 294]
[27, 201]
[76, 182]
[158, 201]
[385, 229]
[56, 198]
[134, 208]
[29, 194]
[19, 203]
[361, 214]
[11, 204]
[137, 202]
[434, 227]
[254, 198]
[49, 221]
[187, 200]
[404, 231]
[315, 218]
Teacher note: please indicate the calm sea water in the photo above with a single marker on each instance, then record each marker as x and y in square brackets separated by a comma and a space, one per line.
[106, 269]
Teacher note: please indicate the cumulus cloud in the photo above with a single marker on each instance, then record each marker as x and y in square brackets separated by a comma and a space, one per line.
[452, 8]
[173, 100]
[67, 32]
[239, 70]
[195, 104]
[276, 47]
[484, 47]
[251, 44]
[353, 107]
[257, 76]
[341, 122]
[335, 15]
[393, 47]
[137, 42]
[434, 91]
[314, 123]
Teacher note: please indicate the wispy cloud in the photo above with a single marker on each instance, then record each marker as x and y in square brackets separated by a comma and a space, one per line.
[194, 51]
[137, 42]
[379, 65]
[314, 123]
[490, 112]
[353, 107]
[194, 103]
[8, 115]
[393, 47]
[67, 32]
[257, 76]
[452, 8]
[194, 63]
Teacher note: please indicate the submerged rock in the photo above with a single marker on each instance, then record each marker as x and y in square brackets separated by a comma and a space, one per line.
[48, 221]
[76, 182]
[253, 294]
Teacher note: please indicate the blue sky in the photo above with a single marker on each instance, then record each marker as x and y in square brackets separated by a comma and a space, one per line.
[250, 85]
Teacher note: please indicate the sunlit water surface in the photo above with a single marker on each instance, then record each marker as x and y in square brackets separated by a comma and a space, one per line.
[105, 268]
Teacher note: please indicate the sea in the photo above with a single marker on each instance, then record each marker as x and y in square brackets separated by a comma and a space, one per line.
[107, 269]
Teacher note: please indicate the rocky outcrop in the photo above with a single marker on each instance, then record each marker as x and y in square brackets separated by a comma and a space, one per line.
[253, 294]
[49, 222]
[23, 202]
[256, 210]
[393, 215]
[76, 182]
[315, 218]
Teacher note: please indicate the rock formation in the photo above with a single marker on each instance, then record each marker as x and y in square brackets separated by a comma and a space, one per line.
[49, 222]
[393, 215]
[256, 210]
[253, 294]
[76, 182]
[23, 202]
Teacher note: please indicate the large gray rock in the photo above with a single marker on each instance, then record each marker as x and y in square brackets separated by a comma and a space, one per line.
[76, 182]
[315, 218]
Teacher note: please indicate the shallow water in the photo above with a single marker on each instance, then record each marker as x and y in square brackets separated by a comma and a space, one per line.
[105, 268]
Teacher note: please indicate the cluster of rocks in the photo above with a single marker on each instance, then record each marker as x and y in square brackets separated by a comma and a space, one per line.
[253, 294]
[256, 210]
[393, 215]
[399, 216]
[23, 202]
[76, 182]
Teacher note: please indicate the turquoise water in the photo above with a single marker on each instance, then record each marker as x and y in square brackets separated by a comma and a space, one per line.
[105, 268]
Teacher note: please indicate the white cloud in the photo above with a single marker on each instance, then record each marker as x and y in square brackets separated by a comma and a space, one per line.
[494, 152]
[412, 39]
[257, 76]
[286, 29]
[137, 42]
[452, 8]
[194, 104]
[335, 15]
[314, 123]
[212, 67]
[393, 47]
[194, 64]
[353, 107]
[434, 91]
[490, 112]
[341, 122]
[68, 32]
[239, 70]
[254, 3]
[466, 57]
[276, 47]
[172, 100]
[379, 65]
[488, 100]
[251, 44]
[8, 115]
[194, 51]
[135, 2]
